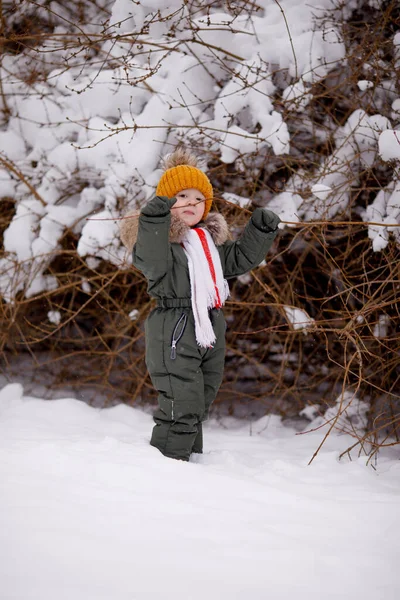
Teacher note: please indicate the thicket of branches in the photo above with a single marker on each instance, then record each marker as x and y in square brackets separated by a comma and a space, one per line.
[346, 348]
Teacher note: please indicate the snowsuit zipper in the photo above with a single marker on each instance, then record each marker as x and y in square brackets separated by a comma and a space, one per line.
[177, 334]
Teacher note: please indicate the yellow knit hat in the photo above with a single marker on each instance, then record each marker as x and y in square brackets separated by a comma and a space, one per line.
[182, 173]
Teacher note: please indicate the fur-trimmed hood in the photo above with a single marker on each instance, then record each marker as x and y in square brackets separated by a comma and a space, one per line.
[215, 224]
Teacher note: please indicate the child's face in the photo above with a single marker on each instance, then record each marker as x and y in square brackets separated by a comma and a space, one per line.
[189, 206]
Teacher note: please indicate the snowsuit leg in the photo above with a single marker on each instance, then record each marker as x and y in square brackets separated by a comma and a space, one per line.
[186, 377]
[213, 362]
[212, 367]
[197, 447]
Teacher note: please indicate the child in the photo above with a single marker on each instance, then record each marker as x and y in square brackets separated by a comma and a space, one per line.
[186, 255]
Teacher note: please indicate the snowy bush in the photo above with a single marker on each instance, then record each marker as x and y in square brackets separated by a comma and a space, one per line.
[289, 104]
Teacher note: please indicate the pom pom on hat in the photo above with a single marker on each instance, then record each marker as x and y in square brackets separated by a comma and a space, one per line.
[182, 173]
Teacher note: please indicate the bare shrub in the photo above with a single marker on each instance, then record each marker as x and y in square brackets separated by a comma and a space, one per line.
[313, 156]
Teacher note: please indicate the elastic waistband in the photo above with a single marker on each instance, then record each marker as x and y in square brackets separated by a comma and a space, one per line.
[174, 303]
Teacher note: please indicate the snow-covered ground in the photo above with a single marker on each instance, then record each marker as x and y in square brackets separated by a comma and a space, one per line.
[88, 510]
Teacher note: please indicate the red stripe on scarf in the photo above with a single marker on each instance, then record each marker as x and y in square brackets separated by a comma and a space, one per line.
[203, 239]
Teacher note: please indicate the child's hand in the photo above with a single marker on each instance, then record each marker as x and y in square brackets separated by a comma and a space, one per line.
[270, 220]
[159, 206]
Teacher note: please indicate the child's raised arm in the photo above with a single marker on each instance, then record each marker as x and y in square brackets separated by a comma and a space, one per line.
[250, 249]
[151, 253]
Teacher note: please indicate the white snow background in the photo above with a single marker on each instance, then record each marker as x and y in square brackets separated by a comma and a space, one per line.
[89, 510]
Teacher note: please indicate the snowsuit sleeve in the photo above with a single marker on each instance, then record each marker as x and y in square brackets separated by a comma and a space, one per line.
[250, 249]
[152, 252]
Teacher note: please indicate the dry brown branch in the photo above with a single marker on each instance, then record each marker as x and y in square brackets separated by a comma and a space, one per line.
[324, 266]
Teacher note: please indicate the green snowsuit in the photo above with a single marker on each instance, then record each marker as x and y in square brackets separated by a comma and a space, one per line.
[186, 376]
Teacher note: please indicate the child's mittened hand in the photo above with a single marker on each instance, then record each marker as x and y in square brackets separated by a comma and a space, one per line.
[270, 220]
[159, 206]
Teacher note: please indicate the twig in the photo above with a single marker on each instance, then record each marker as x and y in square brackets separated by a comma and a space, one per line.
[11, 167]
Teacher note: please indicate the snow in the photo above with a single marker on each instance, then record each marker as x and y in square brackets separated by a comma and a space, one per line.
[286, 205]
[90, 139]
[384, 210]
[54, 317]
[235, 199]
[396, 109]
[255, 96]
[86, 287]
[356, 145]
[321, 191]
[88, 509]
[19, 236]
[298, 318]
[389, 144]
[92, 262]
[381, 327]
[364, 84]
[11, 144]
[296, 96]
[348, 413]
[101, 131]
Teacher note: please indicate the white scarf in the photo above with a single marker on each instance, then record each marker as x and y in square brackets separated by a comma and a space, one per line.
[208, 287]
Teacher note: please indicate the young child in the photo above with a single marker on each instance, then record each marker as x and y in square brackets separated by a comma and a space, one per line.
[185, 253]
